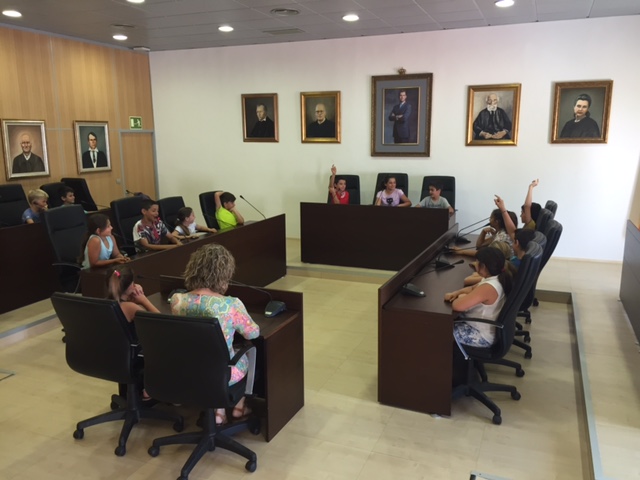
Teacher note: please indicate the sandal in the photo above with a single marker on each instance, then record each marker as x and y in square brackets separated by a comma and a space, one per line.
[221, 418]
[240, 412]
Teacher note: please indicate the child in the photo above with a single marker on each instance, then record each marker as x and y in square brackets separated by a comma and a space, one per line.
[128, 294]
[98, 246]
[391, 196]
[495, 232]
[434, 200]
[149, 232]
[529, 212]
[186, 226]
[226, 213]
[67, 195]
[506, 251]
[38, 201]
[521, 241]
[338, 189]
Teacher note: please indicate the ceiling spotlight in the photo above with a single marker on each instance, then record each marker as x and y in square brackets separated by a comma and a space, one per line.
[119, 36]
[135, 1]
[504, 3]
[225, 28]
[12, 13]
[351, 17]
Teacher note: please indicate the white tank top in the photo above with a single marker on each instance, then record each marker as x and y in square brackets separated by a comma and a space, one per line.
[490, 312]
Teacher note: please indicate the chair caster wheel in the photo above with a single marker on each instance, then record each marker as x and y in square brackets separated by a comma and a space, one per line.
[178, 426]
[528, 354]
[251, 465]
[497, 419]
[120, 450]
[212, 446]
[78, 434]
[153, 451]
[527, 339]
[254, 427]
[520, 373]
[516, 395]
[114, 406]
[535, 302]
[527, 320]
[183, 477]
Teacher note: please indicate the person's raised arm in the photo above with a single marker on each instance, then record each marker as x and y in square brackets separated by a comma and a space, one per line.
[404, 201]
[332, 188]
[526, 213]
[508, 223]
[216, 197]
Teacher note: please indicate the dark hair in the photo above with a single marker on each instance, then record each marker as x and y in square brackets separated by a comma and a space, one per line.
[535, 211]
[148, 203]
[227, 197]
[436, 185]
[386, 179]
[94, 222]
[183, 214]
[514, 218]
[118, 280]
[524, 236]
[497, 216]
[91, 133]
[337, 179]
[583, 96]
[64, 191]
[496, 264]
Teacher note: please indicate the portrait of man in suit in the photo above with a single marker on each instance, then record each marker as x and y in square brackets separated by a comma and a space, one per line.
[260, 117]
[93, 158]
[92, 142]
[264, 126]
[401, 122]
[320, 117]
[25, 148]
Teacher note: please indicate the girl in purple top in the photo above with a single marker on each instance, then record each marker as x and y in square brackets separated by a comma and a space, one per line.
[391, 196]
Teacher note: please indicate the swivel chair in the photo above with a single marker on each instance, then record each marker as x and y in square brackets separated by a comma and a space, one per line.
[81, 190]
[169, 208]
[402, 183]
[353, 187]
[101, 343]
[53, 190]
[448, 187]
[187, 362]
[543, 218]
[551, 206]
[13, 203]
[125, 213]
[208, 207]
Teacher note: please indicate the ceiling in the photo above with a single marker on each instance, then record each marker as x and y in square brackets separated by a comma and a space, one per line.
[183, 24]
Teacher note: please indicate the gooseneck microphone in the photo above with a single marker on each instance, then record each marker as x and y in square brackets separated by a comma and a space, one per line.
[273, 308]
[252, 206]
[461, 238]
[415, 291]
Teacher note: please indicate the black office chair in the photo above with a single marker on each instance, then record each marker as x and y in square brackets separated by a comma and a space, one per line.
[551, 206]
[553, 231]
[208, 207]
[543, 218]
[402, 183]
[448, 187]
[66, 226]
[187, 362]
[53, 190]
[101, 343]
[13, 203]
[477, 357]
[169, 210]
[82, 193]
[125, 213]
[353, 187]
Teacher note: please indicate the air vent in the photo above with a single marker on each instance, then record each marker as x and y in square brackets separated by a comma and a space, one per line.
[284, 31]
[284, 12]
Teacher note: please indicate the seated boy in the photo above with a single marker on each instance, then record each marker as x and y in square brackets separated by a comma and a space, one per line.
[150, 231]
[434, 200]
[67, 195]
[226, 213]
[38, 201]
[521, 240]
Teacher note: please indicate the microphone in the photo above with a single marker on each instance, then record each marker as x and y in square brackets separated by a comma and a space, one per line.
[460, 238]
[253, 208]
[273, 308]
[412, 289]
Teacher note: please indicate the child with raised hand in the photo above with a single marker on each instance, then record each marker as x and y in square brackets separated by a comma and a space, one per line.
[495, 232]
[227, 214]
[127, 293]
[150, 231]
[338, 188]
[435, 200]
[99, 248]
[38, 204]
[186, 226]
[529, 212]
[390, 196]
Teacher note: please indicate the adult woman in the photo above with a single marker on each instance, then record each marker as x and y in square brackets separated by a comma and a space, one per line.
[207, 277]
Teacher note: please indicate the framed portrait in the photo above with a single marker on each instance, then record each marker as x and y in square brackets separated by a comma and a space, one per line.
[92, 146]
[320, 117]
[581, 112]
[260, 117]
[25, 148]
[401, 115]
[493, 114]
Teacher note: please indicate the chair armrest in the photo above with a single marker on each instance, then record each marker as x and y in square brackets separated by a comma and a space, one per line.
[479, 320]
[240, 353]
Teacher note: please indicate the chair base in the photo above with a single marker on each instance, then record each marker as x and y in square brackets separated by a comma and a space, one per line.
[208, 439]
[527, 348]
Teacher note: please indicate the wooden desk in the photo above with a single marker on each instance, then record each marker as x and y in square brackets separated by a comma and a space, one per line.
[259, 249]
[367, 236]
[415, 335]
[280, 353]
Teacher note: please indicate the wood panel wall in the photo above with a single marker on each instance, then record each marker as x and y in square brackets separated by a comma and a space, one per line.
[60, 81]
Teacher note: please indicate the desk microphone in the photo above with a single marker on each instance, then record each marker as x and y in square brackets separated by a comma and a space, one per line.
[252, 206]
[138, 194]
[273, 308]
[461, 238]
[412, 289]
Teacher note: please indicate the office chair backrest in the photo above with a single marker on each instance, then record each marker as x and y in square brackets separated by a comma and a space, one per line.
[125, 213]
[402, 183]
[53, 190]
[65, 226]
[13, 203]
[169, 210]
[541, 239]
[553, 233]
[552, 207]
[543, 218]
[448, 187]
[82, 193]
[353, 187]
[99, 341]
[186, 359]
[208, 207]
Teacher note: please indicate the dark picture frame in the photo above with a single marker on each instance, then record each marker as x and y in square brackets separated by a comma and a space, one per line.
[32, 133]
[499, 127]
[329, 130]
[401, 129]
[260, 126]
[572, 97]
[99, 130]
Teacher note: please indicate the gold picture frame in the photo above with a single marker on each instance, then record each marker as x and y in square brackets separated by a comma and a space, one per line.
[320, 117]
[493, 115]
[25, 137]
[260, 117]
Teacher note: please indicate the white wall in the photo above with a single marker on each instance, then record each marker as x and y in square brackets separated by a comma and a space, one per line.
[197, 109]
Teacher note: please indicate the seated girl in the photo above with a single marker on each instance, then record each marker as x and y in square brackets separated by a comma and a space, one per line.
[504, 247]
[186, 226]
[99, 249]
[128, 294]
[495, 232]
[391, 196]
[207, 277]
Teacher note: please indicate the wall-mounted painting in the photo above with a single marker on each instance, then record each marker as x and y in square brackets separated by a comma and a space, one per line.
[320, 117]
[260, 117]
[493, 114]
[92, 146]
[25, 148]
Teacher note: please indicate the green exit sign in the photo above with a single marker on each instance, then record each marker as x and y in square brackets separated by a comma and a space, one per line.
[135, 123]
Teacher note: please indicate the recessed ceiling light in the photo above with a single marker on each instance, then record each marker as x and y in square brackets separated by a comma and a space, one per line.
[135, 1]
[12, 13]
[119, 36]
[351, 17]
[225, 28]
[504, 3]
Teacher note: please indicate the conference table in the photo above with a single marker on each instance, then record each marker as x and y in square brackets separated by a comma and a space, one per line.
[259, 249]
[279, 382]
